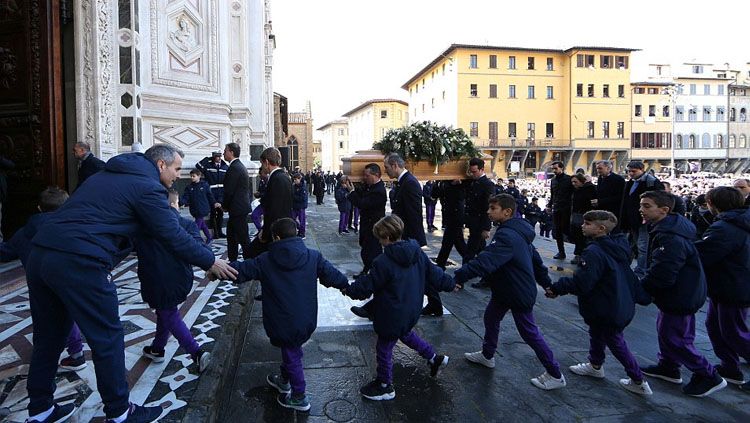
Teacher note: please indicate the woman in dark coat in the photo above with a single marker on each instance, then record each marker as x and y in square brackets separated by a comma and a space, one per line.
[583, 192]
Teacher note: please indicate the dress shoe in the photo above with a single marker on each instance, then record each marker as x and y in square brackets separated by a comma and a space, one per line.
[361, 312]
[436, 311]
[559, 256]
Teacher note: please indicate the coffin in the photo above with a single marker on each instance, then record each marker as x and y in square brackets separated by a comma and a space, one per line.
[354, 165]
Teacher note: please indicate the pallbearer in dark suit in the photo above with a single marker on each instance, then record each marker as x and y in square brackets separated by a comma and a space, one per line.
[276, 201]
[370, 200]
[407, 201]
[236, 202]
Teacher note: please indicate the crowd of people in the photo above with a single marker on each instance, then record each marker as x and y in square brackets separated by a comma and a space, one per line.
[610, 220]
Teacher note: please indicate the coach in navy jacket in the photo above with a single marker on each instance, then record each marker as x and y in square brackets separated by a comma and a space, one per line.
[397, 280]
[604, 283]
[165, 282]
[287, 273]
[73, 254]
[675, 276]
[510, 265]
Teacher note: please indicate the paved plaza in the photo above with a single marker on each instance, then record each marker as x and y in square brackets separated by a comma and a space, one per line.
[340, 357]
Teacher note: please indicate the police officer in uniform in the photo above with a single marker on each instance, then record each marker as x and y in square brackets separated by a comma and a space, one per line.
[214, 169]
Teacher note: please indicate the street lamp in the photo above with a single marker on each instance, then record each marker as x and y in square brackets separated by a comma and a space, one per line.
[672, 91]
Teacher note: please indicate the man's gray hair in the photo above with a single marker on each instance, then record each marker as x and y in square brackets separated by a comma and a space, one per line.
[84, 145]
[164, 152]
[394, 159]
[605, 163]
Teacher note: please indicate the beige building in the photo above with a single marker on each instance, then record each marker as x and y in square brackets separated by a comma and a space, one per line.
[651, 122]
[300, 140]
[334, 144]
[369, 122]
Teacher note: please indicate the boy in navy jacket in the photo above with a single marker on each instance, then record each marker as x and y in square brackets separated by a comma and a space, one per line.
[166, 282]
[299, 204]
[675, 279]
[511, 265]
[725, 254]
[289, 272]
[397, 282]
[19, 247]
[198, 197]
[607, 291]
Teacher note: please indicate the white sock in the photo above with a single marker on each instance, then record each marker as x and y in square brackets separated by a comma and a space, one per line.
[42, 416]
[122, 418]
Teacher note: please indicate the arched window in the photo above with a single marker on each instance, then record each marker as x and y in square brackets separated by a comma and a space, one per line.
[293, 152]
[743, 114]
[691, 141]
[732, 141]
[678, 141]
[743, 141]
[732, 114]
[706, 141]
[719, 141]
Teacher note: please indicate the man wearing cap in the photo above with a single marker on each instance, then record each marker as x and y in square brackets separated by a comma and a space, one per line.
[214, 169]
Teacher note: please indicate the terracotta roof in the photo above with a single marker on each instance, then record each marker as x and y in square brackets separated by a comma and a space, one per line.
[369, 102]
[444, 55]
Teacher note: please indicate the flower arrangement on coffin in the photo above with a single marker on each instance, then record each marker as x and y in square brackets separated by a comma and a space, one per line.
[427, 141]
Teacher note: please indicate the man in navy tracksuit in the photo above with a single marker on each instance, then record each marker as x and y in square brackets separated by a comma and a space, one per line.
[289, 272]
[674, 278]
[89, 235]
[511, 265]
[214, 169]
[198, 197]
[607, 291]
[725, 254]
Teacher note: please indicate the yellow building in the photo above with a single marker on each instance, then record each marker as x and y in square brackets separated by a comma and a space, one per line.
[651, 120]
[369, 121]
[528, 107]
[334, 144]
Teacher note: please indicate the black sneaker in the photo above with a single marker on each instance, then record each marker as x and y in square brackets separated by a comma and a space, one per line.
[732, 376]
[344, 231]
[289, 401]
[279, 383]
[155, 355]
[559, 256]
[141, 414]
[361, 312]
[437, 364]
[701, 386]
[60, 413]
[377, 391]
[73, 364]
[436, 311]
[660, 372]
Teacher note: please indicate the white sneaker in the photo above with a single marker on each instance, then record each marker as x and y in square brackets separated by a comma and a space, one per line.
[547, 382]
[586, 369]
[642, 389]
[479, 358]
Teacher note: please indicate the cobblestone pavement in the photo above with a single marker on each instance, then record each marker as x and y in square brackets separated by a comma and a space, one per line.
[340, 358]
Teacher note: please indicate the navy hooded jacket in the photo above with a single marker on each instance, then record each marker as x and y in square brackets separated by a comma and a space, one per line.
[299, 198]
[511, 265]
[288, 272]
[674, 276]
[345, 206]
[397, 282]
[19, 245]
[725, 254]
[166, 280]
[606, 286]
[198, 196]
[103, 215]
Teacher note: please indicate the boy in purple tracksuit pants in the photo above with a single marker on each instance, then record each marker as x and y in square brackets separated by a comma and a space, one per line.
[511, 265]
[675, 279]
[607, 291]
[344, 205]
[165, 283]
[299, 204]
[19, 247]
[198, 196]
[289, 273]
[725, 255]
[397, 281]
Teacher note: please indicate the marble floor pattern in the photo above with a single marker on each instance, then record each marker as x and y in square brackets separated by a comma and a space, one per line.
[168, 384]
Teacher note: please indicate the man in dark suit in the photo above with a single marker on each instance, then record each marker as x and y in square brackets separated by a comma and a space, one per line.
[609, 188]
[371, 203]
[236, 202]
[561, 192]
[477, 202]
[630, 217]
[407, 201]
[276, 200]
[88, 163]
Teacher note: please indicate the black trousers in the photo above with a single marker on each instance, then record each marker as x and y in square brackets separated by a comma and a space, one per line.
[475, 243]
[453, 236]
[370, 248]
[561, 228]
[217, 221]
[319, 198]
[237, 235]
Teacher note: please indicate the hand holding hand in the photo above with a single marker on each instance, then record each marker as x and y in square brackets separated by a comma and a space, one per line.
[458, 287]
[486, 234]
[217, 205]
[549, 294]
[222, 270]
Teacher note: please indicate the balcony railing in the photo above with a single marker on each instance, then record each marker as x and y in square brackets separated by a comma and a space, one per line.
[521, 143]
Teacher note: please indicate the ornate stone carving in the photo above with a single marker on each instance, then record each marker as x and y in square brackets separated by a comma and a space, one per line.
[183, 37]
[87, 76]
[107, 110]
[187, 136]
[8, 66]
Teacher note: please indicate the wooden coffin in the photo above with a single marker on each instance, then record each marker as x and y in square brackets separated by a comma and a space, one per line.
[354, 165]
